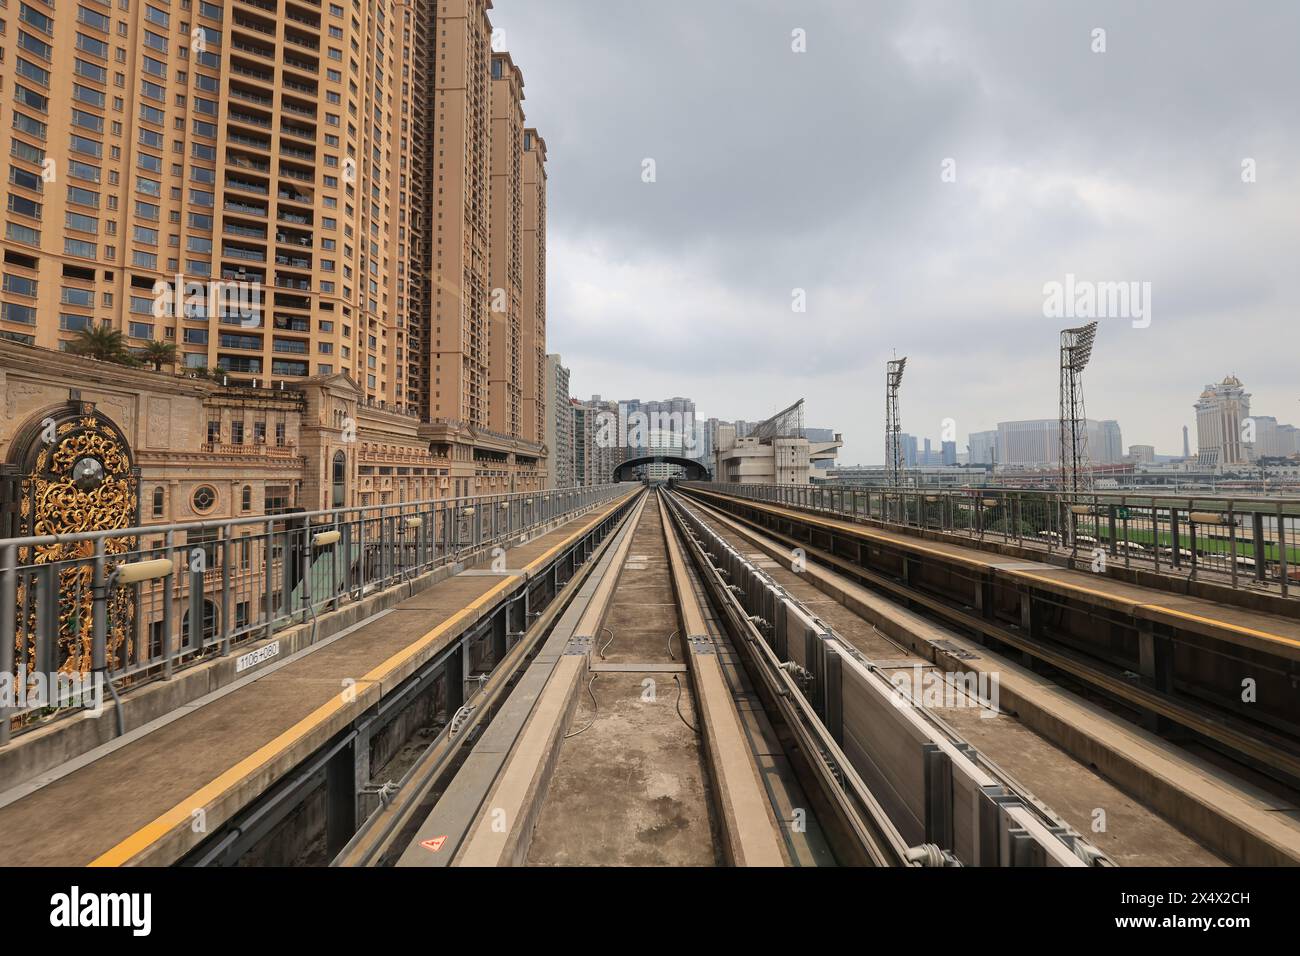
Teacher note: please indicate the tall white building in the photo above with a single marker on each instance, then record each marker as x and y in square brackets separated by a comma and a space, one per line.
[1220, 413]
[983, 447]
[1036, 443]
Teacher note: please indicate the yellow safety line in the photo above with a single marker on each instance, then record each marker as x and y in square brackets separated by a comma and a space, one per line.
[1241, 629]
[1020, 573]
[150, 833]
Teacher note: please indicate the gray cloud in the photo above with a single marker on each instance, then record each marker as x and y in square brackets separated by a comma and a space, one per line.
[821, 170]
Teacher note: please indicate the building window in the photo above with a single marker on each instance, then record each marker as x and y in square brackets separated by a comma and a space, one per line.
[205, 498]
[159, 500]
[246, 499]
[339, 481]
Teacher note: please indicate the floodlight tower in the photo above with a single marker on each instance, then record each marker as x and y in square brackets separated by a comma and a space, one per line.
[1076, 349]
[893, 446]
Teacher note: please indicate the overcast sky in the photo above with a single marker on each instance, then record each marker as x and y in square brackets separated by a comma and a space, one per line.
[823, 171]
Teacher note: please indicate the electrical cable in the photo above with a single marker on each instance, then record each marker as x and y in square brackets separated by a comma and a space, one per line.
[678, 682]
[593, 708]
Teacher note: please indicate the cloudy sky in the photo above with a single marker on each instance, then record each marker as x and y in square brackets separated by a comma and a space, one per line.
[824, 171]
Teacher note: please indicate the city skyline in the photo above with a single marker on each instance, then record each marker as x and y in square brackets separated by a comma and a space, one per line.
[779, 191]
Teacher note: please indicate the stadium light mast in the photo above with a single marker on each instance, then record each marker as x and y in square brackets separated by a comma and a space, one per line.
[1076, 350]
[893, 445]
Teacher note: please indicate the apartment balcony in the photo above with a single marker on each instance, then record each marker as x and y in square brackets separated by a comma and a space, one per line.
[235, 229]
[289, 367]
[250, 141]
[247, 162]
[292, 282]
[262, 76]
[308, 21]
[290, 346]
[295, 195]
[246, 343]
[291, 323]
[247, 185]
[297, 174]
[286, 238]
[250, 97]
[293, 217]
[235, 363]
[249, 119]
[298, 39]
[293, 262]
[286, 301]
[256, 49]
[300, 63]
[238, 252]
[243, 208]
[298, 109]
[297, 152]
[245, 22]
[291, 84]
[302, 132]
[243, 275]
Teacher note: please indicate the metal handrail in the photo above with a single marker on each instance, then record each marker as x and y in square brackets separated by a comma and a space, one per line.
[1184, 535]
[231, 580]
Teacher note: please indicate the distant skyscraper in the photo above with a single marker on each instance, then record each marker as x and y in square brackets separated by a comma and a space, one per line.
[559, 425]
[1220, 412]
[983, 447]
[1036, 443]
[1111, 449]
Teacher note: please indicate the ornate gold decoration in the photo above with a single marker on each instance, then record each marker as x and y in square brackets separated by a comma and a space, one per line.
[53, 504]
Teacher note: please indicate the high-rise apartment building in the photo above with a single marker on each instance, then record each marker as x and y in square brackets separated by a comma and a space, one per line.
[154, 150]
[559, 426]
[505, 298]
[532, 338]
[285, 189]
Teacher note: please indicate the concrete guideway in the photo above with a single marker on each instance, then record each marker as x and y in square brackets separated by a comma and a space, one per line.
[624, 780]
[1070, 752]
[1178, 660]
[155, 799]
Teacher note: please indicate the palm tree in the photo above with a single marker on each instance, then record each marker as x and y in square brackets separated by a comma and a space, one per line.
[101, 342]
[159, 354]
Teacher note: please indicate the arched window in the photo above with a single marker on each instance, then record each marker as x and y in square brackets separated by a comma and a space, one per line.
[159, 499]
[246, 500]
[338, 480]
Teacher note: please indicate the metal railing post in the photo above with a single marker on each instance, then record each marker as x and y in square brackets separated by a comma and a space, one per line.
[227, 534]
[8, 625]
[169, 610]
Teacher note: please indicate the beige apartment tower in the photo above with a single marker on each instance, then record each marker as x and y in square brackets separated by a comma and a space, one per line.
[505, 296]
[533, 323]
[213, 175]
[285, 190]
